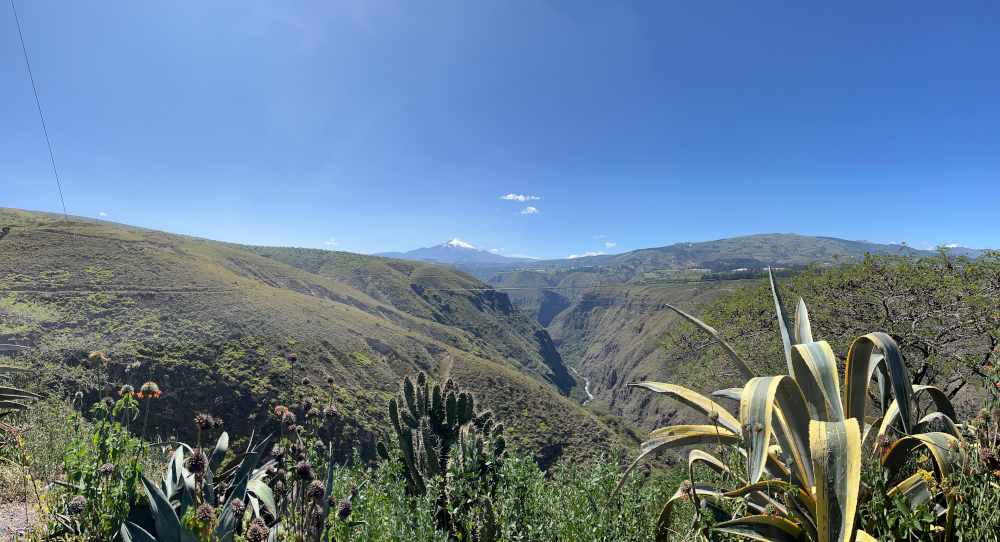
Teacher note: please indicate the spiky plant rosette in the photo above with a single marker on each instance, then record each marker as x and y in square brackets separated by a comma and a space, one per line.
[819, 426]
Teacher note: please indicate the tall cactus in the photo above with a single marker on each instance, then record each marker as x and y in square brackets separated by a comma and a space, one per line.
[429, 424]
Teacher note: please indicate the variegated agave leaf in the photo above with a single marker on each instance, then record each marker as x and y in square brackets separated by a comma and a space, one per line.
[711, 493]
[787, 332]
[862, 362]
[692, 399]
[776, 406]
[814, 368]
[836, 458]
[765, 528]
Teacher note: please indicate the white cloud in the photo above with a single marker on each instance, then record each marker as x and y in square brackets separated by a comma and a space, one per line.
[584, 255]
[600, 236]
[493, 250]
[523, 256]
[530, 211]
[332, 241]
[104, 214]
[518, 197]
[610, 245]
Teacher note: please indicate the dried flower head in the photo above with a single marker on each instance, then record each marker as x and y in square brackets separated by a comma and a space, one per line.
[987, 454]
[316, 490]
[331, 500]
[149, 390]
[293, 357]
[331, 411]
[312, 413]
[288, 418]
[95, 357]
[127, 389]
[196, 462]
[77, 505]
[883, 441]
[279, 486]
[206, 513]
[686, 487]
[329, 380]
[238, 507]
[108, 402]
[217, 422]
[258, 531]
[106, 469]
[299, 428]
[203, 422]
[354, 491]
[305, 471]
[995, 414]
[713, 416]
[307, 403]
[305, 381]
[344, 509]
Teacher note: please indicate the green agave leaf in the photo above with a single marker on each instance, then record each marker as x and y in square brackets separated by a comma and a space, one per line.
[666, 443]
[858, 371]
[329, 482]
[11, 348]
[896, 415]
[836, 458]
[940, 445]
[775, 488]
[261, 491]
[766, 528]
[775, 406]
[16, 393]
[741, 365]
[787, 338]
[803, 331]
[168, 527]
[13, 405]
[698, 456]
[814, 367]
[215, 461]
[729, 393]
[227, 521]
[706, 490]
[915, 489]
[692, 399]
[927, 420]
[133, 533]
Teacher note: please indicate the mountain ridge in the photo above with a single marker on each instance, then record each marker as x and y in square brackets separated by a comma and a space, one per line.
[453, 250]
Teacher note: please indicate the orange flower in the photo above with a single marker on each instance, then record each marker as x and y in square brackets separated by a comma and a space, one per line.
[149, 390]
[987, 367]
[279, 410]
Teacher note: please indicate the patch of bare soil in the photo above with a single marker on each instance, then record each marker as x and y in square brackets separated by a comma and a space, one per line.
[15, 521]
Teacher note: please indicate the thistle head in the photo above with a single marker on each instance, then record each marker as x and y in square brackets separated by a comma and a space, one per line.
[258, 531]
[206, 514]
[77, 505]
[331, 411]
[316, 490]
[344, 509]
[204, 422]
[106, 469]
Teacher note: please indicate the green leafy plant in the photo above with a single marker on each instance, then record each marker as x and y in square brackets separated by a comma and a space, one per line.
[800, 439]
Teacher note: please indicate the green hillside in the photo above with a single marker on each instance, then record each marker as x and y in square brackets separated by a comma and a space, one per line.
[233, 333]
[678, 262]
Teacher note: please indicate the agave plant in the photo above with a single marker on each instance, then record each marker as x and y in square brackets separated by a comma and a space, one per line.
[801, 436]
[187, 486]
[10, 398]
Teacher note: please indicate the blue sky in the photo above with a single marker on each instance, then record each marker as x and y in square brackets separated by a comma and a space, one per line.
[394, 125]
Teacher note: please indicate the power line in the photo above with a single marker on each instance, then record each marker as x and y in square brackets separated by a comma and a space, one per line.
[42, 117]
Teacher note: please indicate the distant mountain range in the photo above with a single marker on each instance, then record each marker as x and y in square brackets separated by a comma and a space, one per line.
[454, 250]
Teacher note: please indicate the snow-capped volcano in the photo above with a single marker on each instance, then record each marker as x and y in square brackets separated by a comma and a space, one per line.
[453, 250]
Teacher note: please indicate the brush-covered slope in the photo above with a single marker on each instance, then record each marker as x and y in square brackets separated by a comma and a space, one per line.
[611, 335]
[442, 294]
[233, 333]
